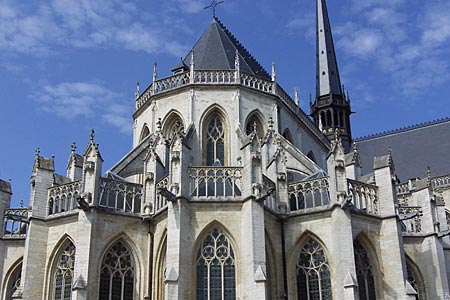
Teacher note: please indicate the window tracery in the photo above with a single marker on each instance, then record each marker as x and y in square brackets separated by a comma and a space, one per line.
[64, 274]
[364, 273]
[117, 274]
[14, 282]
[215, 266]
[415, 280]
[215, 141]
[313, 273]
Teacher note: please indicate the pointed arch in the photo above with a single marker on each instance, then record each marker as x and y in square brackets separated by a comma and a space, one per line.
[145, 132]
[118, 272]
[310, 268]
[160, 267]
[415, 278]
[215, 267]
[61, 269]
[367, 268]
[12, 279]
[215, 136]
[172, 122]
[255, 118]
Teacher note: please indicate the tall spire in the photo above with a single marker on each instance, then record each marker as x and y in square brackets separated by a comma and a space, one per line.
[328, 81]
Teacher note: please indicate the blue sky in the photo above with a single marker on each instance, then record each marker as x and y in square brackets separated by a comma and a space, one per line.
[67, 66]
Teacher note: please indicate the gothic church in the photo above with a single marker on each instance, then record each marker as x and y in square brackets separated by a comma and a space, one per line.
[231, 191]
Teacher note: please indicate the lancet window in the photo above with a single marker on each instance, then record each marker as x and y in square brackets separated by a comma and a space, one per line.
[364, 273]
[313, 273]
[64, 274]
[215, 141]
[215, 268]
[117, 274]
[415, 280]
[174, 126]
[14, 282]
[254, 124]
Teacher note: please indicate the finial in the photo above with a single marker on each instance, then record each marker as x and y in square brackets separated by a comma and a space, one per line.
[296, 97]
[274, 72]
[237, 63]
[213, 6]
[336, 134]
[310, 100]
[348, 97]
[343, 89]
[92, 135]
[38, 151]
[192, 60]
[155, 71]
[254, 126]
[21, 204]
[73, 147]
[136, 93]
[271, 124]
[429, 173]
[389, 151]
[355, 148]
[158, 124]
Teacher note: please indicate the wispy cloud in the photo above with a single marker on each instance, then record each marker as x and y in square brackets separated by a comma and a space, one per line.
[84, 100]
[42, 28]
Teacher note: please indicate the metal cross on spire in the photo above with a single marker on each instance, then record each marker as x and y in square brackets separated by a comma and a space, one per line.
[213, 6]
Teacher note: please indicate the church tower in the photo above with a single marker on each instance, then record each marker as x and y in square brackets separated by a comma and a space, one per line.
[331, 108]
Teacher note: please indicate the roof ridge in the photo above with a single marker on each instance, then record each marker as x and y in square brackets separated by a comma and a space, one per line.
[403, 129]
[240, 46]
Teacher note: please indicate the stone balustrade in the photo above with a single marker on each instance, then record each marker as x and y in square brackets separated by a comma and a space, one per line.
[220, 182]
[440, 181]
[120, 196]
[414, 224]
[16, 223]
[364, 196]
[63, 198]
[308, 194]
[160, 201]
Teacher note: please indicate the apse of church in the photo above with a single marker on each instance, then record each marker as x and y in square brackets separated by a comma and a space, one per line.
[231, 191]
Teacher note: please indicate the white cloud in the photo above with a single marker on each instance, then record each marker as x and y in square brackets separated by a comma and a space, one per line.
[74, 100]
[42, 28]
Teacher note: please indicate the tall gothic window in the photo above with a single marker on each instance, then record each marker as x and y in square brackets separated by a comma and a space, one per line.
[117, 274]
[216, 271]
[215, 141]
[364, 273]
[313, 273]
[14, 282]
[64, 273]
[415, 280]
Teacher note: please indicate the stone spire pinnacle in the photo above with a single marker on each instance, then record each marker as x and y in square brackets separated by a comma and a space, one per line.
[328, 81]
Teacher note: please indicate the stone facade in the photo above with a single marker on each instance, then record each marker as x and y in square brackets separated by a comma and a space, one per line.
[230, 192]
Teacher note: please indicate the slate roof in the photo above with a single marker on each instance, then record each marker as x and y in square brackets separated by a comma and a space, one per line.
[414, 149]
[216, 50]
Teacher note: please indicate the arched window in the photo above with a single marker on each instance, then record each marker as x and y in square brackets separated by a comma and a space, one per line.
[64, 273]
[172, 126]
[14, 282]
[329, 122]
[254, 123]
[161, 271]
[215, 140]
[144, 133]
[415, 279]
[215, 266]
[313, 273]
[364, 273]
[117, 274]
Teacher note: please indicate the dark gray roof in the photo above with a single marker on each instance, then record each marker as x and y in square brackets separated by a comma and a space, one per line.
[60, 179]
[216, 50]
[414, 149]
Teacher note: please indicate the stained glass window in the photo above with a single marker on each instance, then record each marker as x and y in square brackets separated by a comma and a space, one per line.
[14, 282]
[117, 274]
[415, 281]
[313, 273]
[216, 271]
[364, 273]
[64, 274]
[215, 141]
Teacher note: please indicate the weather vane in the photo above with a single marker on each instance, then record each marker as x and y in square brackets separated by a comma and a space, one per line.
[213, 6]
